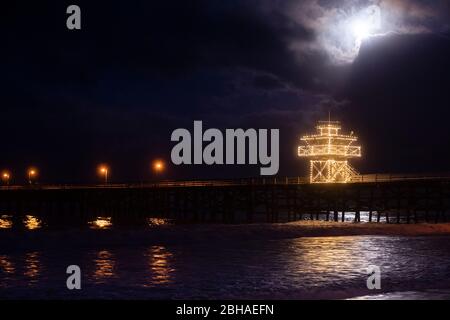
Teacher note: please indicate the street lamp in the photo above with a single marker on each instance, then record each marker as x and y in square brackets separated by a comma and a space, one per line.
[103, 171]
[6, 176]
[158, 166]
[32, 173]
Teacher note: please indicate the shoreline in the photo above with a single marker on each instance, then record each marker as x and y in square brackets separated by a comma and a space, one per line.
[324, 228]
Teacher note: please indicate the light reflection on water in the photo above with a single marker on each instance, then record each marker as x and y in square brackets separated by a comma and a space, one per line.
[6, 222]
[104, 266]
[153, 222]
[158, 271]
[101, 223]
[331, 267]
[161, 271]
[350, 216]
[319, 259]
[7, 271]
[31, 222]
[408, 295]
[32, 267]
[6, 265]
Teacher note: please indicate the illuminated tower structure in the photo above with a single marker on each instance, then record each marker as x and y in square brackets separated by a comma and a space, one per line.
[329, 152]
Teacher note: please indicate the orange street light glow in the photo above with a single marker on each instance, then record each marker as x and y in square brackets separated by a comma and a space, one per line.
[158, 165]
[6, 176]
[103, 170]
[32, 173]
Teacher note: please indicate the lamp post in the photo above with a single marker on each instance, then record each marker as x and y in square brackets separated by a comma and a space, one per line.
[32, 173]
[103, 170]
[158, 167]
[6, 176]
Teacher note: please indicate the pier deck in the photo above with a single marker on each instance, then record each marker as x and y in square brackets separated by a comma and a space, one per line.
[389, 198]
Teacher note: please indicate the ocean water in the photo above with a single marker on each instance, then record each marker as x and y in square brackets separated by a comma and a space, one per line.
[180, 265]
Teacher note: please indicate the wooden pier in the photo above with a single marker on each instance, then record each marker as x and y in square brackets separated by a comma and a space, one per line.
[381, 198]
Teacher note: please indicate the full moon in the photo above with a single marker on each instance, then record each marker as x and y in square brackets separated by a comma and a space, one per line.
[346, 31]
[360, 29]
[365, 23]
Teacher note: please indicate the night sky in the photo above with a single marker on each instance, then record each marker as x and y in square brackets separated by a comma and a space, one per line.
[116, 89]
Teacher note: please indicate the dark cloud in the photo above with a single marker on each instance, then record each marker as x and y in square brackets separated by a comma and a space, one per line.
[398, 93]
[268, 82]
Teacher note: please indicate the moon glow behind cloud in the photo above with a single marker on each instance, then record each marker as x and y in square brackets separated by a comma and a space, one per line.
[347, 29]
